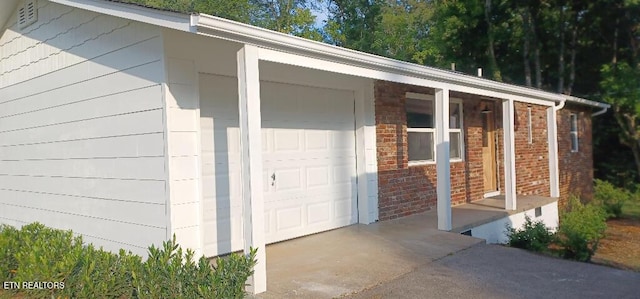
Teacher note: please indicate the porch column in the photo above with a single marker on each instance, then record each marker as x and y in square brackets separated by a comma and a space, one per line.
[251, 163]
[552, 141]
[508, 116]
[443, 167]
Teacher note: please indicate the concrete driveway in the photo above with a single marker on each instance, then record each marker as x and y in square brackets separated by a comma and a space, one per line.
[409, 258]
[493, 271]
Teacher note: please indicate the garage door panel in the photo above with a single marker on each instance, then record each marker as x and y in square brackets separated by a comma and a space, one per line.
[288, 179]
[316, 140]
[288, 218]
[319, 212]
[286, 140]
[308, 142]
[318, 176]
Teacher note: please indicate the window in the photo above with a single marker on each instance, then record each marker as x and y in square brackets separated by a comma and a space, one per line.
[529, 125]
[421, 129]
[455, 130]
[573, 132]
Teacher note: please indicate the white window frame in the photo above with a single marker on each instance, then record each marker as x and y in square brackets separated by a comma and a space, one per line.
[423, 97]
[428, 97]
[458, 102]
[573, 134]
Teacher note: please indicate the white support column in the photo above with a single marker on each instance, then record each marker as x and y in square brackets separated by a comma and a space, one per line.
[443, 166]
[508, 117]
[552, 141]
[251, 163]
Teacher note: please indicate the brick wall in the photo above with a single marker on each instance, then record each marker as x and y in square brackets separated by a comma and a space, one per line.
[404, 189]
[532, 159]
[576, 168]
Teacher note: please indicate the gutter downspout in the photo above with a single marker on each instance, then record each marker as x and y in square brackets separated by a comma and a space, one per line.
[552, 135]
[600, 112]
[560, 106]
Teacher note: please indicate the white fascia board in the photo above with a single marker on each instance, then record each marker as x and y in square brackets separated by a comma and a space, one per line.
[134, 12]
[264, 38]
[397, 77]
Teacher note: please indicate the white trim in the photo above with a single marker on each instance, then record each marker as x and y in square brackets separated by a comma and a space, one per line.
[251, 163]
[420, 96]
[509, 154]
[491, 194]
[443, 166]
[552, 143]
[421, 162]
[364, 118]
[129, 11]
[392, 75]
[462, 148]
[201, 212]
[587, 102]
[247, 34]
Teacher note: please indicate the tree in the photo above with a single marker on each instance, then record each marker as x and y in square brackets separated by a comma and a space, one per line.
[287, 16]
[621, 88]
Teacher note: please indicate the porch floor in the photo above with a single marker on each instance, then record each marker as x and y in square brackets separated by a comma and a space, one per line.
[467, 216]
[351, 259]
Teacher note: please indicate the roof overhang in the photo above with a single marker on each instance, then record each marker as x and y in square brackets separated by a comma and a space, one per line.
[173, 20]
[7, 7]
[243, 33]
[264, 38]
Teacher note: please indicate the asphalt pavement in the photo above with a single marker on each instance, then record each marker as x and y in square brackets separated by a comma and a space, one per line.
[494, 271]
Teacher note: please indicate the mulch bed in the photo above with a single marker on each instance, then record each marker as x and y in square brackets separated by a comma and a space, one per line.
[621, 246]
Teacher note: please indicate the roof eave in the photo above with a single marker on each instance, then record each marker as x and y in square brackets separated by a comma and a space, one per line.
[167, 19]
[248, 34]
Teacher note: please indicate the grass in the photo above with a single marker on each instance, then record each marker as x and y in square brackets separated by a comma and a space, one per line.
[631, 209]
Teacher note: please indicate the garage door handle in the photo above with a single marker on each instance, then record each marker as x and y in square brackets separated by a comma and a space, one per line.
[273, 179]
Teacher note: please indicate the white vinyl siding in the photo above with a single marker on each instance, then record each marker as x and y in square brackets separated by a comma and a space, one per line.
[81, 127]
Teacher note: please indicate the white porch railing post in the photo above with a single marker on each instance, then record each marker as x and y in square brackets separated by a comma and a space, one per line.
[443, 167]
[552, 134]
[251, 163]
[508, 117]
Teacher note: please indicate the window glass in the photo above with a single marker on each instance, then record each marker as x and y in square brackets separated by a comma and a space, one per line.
[420, 146]
[455, 120]
[419, 113]
[573, 134]
[454, 148]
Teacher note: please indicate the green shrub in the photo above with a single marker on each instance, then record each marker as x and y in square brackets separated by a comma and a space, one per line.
[10, 241]
[101, 274]
[232, 273]
[611, 198]
[38, 253]
[581, 228]
[533, 236]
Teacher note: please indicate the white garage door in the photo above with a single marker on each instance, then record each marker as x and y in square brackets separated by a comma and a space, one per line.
[308, 155]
